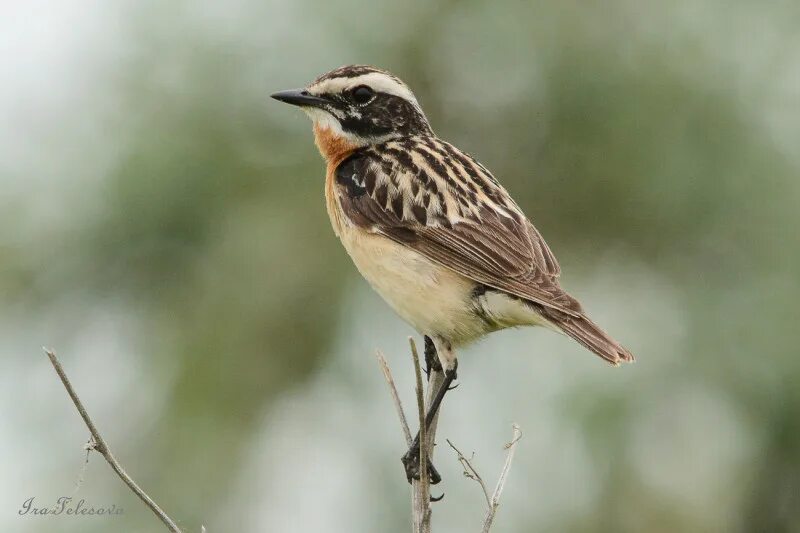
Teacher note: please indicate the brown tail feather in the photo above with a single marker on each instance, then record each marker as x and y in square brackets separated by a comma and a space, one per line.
[591, 336]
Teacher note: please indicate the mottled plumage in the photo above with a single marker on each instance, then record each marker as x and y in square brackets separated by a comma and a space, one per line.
[427, 225]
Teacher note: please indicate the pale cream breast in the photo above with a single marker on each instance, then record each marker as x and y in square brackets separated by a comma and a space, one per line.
[432, 298]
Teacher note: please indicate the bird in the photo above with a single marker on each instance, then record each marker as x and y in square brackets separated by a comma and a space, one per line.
[430, 228]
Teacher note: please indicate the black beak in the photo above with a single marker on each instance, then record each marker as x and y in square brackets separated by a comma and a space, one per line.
[300, 97]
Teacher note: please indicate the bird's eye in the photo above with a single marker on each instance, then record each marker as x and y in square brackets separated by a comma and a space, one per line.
[362, 94]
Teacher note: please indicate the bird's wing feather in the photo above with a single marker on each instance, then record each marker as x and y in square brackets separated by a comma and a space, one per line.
[429, 196]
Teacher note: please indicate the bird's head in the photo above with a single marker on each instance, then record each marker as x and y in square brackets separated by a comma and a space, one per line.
[359, 105]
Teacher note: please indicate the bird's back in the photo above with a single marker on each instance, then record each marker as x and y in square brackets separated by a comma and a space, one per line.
[419, 210]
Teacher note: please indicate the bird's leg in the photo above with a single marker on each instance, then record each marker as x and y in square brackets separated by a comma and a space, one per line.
[431, 358]
[411, 460]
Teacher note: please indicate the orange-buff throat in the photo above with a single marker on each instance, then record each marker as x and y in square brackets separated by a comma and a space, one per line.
[334, 148]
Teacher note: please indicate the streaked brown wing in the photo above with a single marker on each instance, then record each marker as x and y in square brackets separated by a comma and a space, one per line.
[497, 247]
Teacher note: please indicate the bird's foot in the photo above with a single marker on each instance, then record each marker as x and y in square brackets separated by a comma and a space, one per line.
[411, 463]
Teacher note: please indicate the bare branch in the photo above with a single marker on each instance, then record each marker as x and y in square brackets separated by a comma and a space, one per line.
[423, 459]
[501, 482]
[471, 472]
[387, 373]
[422, 490]
[435, 381]
[99, 444]
[493, 501]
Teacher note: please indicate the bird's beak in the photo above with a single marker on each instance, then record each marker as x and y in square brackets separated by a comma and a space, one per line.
[300, 97]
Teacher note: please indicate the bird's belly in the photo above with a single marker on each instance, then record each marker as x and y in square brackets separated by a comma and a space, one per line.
[433, 299]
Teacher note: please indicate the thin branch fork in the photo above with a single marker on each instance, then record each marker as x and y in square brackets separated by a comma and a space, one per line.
[421, 511]
[98, 444]
[420, 489]
[493, 500]
[471, 472]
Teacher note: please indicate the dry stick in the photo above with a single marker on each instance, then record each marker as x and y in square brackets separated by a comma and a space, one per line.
[435, 382]
[421, 513]
[501, 481]
[422, 492]
[471, 472]
[99, 444]
[398, 406]
[493, 501]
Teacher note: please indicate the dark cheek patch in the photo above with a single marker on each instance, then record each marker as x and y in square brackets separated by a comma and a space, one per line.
[384, 115]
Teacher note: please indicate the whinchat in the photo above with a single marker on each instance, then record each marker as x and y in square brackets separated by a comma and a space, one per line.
[428, 226]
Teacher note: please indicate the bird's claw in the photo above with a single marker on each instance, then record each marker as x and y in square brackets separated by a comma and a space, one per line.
[411, 463]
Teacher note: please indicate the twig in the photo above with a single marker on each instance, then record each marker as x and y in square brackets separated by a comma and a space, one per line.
[420, 489]
[501, 481]
[89, 446]
[471, 472]
[387, 373]
[99, 444]
[493, 501]
[422, 492]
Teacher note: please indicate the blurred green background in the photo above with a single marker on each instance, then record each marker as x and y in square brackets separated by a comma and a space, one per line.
[162, 226]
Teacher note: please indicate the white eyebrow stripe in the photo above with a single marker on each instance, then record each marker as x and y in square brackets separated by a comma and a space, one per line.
[378, 81]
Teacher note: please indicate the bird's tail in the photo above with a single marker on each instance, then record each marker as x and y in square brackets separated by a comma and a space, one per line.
[590, 335]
